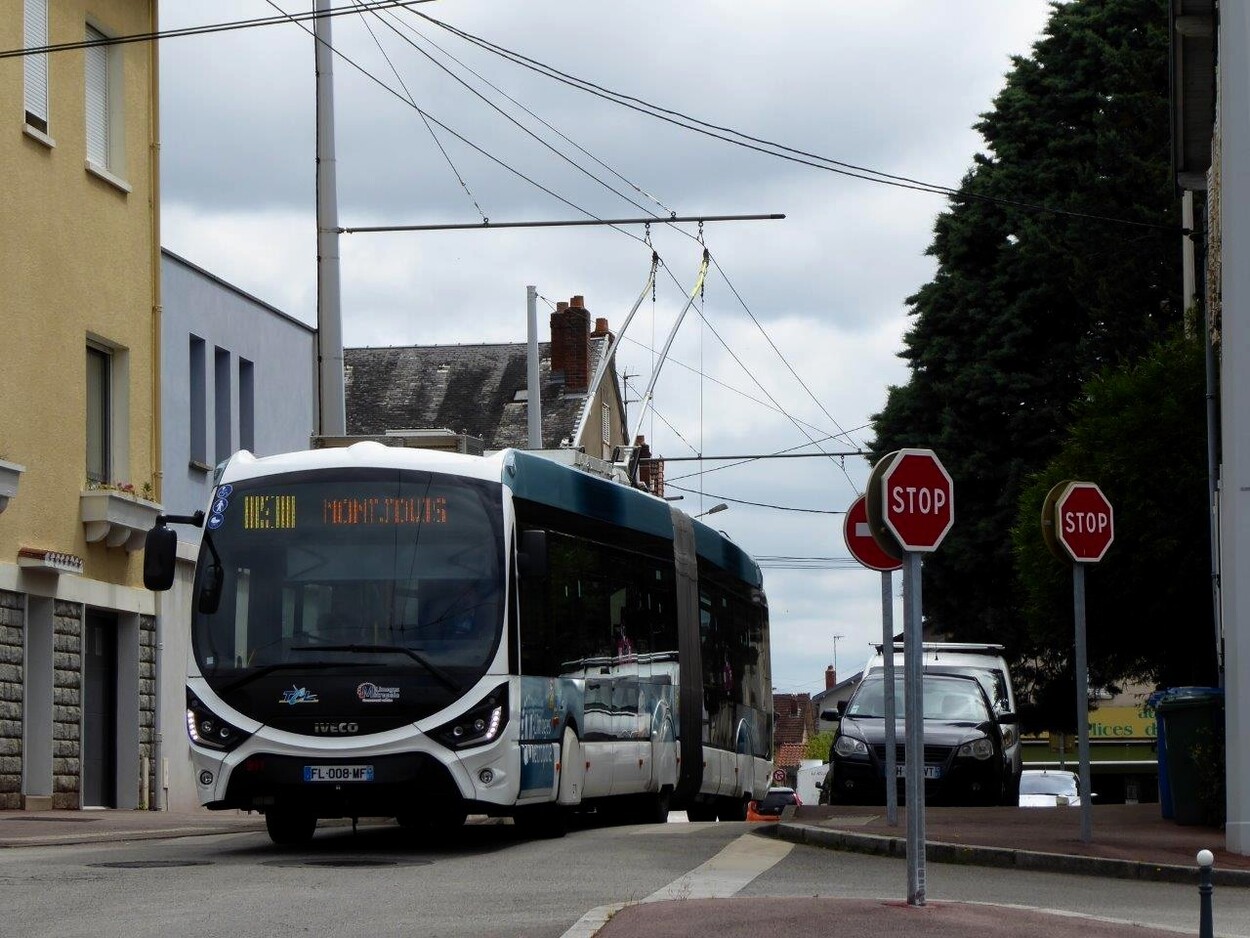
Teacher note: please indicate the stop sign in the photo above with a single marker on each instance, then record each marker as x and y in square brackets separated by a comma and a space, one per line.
[1084, 522]
[918, 499]
[860, 542]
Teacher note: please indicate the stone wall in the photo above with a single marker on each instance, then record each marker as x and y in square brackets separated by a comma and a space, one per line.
[147, 710]
[67, 705]
[12, 616]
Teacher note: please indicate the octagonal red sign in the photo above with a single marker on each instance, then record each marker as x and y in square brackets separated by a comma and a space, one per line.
[1084, 522]
[860, 542]
[918, 499]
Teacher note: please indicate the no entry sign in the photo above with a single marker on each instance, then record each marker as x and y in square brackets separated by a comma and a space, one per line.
[918, 499]
[860, 542]
[1084, 522]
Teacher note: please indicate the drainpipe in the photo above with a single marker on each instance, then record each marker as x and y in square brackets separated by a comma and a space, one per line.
[154, 203]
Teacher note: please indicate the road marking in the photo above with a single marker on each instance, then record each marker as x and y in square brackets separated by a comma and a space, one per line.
[719, 878]
[727, 872]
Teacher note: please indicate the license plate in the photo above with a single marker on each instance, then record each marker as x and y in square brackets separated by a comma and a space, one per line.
[930, 771]
[338, 773]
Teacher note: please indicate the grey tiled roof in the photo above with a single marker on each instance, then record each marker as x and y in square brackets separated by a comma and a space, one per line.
[463, 388]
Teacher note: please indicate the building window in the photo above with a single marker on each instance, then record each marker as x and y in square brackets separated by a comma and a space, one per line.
[605, 423]
[247, 406]
[105, 144]
[221, 402]
[198, 416]
[99, 411]
[35, 67]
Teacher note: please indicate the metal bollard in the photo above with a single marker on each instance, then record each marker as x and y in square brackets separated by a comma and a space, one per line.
[1206, 929]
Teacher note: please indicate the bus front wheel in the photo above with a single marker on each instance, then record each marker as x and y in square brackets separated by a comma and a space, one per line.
[290, 828]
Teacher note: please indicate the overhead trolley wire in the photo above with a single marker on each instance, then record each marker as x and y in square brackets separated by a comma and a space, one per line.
[364, 71]
[781, 151]
[569, 140]
[509, 117]
[204, 29]
[438, 143]
[772, 148]
[741, 501]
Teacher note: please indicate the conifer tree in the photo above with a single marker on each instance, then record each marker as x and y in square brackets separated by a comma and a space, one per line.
[1028, 305]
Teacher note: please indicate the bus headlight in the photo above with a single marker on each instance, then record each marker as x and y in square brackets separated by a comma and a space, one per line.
[482, 723]
[207, 729]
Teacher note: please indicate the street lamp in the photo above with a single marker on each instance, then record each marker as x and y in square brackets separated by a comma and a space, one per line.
[721, 506]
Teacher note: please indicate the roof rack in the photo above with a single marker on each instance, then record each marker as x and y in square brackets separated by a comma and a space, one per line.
[946, 646]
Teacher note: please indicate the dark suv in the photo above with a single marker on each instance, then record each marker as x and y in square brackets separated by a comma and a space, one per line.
[964, 759]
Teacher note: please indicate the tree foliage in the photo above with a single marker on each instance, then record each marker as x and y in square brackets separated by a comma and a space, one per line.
[817, 746]
[1026, 305]
[1139, 432]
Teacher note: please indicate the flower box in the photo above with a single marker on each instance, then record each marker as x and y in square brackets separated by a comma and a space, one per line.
[117, 518]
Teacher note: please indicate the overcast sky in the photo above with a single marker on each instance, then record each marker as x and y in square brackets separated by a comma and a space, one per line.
[893, 85]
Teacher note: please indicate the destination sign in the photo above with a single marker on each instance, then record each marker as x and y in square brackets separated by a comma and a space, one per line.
[274, 512]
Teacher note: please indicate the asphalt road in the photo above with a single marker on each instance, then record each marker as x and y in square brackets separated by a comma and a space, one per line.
[493, 882]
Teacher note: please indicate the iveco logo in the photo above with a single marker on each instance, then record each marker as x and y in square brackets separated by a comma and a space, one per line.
[336, 729]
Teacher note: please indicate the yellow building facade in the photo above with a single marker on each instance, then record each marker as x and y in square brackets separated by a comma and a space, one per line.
[79, 403]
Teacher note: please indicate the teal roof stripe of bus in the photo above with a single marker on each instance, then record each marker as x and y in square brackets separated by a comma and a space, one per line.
[718, 549]
[542, 480]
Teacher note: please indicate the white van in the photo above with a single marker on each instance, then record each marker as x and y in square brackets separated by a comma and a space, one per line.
[987, 664]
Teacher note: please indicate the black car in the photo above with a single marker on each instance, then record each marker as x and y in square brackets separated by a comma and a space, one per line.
[964, 762]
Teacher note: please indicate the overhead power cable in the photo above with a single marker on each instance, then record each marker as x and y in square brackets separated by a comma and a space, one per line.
[490, 156]
[506, 116]
[741, 501]
[729, 387]
[391, 14]
[438, 143]
[772, 148]
[751, 374]
[773, 346]
[205, 29]
[748, 459]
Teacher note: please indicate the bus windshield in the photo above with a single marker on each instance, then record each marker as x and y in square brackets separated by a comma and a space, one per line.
[375, 568]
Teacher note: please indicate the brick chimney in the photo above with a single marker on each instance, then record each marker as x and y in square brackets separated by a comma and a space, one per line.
[650, 474]
[570, 343]
[831, 678]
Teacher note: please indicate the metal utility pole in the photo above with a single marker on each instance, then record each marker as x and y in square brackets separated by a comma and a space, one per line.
[331, 409]
[533, 393]
[836, 639]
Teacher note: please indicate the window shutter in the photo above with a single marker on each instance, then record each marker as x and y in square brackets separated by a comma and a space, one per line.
[97, 69]
[36, 66]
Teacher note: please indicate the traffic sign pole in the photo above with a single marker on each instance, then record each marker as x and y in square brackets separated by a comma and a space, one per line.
[857, 533]
[891, 732]
[911, 501]
[1082, 702]
[913, 707]
[1078, 524]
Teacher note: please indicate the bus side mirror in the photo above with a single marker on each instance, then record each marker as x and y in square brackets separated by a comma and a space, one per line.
[160, 555]
[532, 555]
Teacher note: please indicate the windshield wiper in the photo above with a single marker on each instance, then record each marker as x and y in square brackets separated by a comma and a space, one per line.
[443, 677]
[280, 666]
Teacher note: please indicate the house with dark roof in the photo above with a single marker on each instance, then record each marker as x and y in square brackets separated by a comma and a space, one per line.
[482, 390]
[835, 691]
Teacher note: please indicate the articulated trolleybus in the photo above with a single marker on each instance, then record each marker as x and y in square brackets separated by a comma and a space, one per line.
[387, 631]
